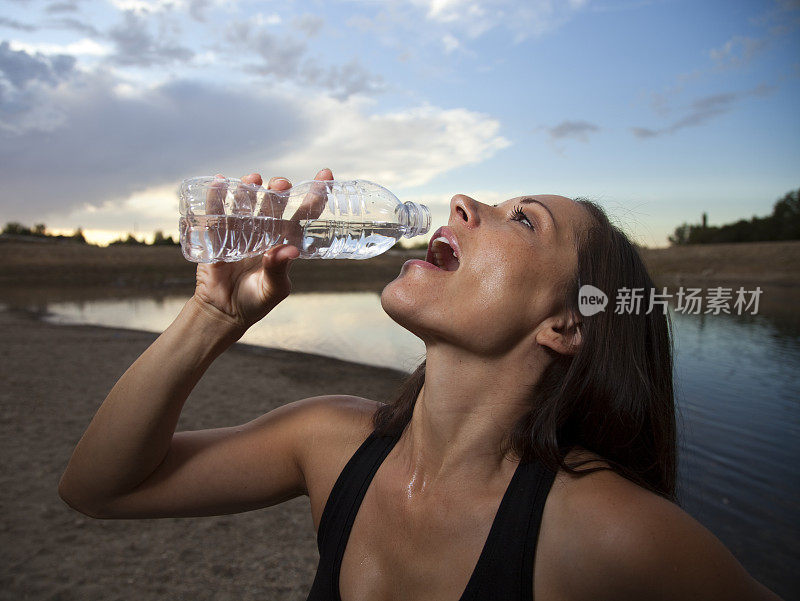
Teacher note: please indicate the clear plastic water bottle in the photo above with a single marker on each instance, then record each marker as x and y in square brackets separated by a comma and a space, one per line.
[225, 219]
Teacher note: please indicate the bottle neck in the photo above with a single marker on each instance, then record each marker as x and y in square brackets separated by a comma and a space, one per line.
[416, 219]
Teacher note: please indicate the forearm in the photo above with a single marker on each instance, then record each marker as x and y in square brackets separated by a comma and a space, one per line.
[131, 432]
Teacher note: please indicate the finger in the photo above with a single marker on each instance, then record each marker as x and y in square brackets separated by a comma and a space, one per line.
[276, 262]
[244, 196]
[273, 204]
[317, 198]
[253, 178]
[215, 195]
[279, 183]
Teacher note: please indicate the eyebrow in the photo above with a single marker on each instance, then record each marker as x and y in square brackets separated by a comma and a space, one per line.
[527, 201]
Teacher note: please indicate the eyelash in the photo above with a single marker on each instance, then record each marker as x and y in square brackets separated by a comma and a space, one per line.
[519, 215]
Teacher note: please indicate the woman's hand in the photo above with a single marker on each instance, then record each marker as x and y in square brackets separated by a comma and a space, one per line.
[243, 292]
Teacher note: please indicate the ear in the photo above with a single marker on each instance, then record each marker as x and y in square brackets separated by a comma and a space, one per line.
[561, 334]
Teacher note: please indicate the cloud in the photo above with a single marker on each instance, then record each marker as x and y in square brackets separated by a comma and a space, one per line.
[75, 25]
[12, 24]
[84, 47]
[198, 8]
[82, 143]
[401, 148]
[309, 24]
[19, 68]
[25, 77]
[104, 145]
[450, 43]
[145, 6]
[428, 22]
[703, 110]
[737, 52]
[625, 6]
[285, 58]
[62, 7]
[136, 46]
[579, 130]
[524, 19]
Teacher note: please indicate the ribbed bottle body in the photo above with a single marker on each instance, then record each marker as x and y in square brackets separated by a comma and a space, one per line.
[226, 220]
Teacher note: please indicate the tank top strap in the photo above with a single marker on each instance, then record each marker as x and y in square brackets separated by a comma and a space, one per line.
[504, 571]
[341, 509]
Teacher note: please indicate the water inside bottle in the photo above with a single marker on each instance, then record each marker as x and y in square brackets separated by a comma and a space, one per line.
[348, 240]
[214, 238]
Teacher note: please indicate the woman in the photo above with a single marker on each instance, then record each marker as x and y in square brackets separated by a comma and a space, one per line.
[532, 455]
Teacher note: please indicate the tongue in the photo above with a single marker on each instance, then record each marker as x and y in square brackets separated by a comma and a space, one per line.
[449, 260]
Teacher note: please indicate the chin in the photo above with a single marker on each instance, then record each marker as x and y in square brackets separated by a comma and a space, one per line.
[406, 305]
[398, 302]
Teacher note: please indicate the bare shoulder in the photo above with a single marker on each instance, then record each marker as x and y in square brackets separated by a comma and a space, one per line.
[609, 538]
[333, 428]
[333, 421]
[335, 408]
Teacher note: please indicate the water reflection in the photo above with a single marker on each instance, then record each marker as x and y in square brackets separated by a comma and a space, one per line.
[351, 326]
[738, 393]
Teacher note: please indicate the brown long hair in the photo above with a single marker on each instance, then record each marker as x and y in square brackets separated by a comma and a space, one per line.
[614, 397]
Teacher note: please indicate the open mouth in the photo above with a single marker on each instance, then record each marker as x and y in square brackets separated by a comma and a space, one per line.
[443, 250]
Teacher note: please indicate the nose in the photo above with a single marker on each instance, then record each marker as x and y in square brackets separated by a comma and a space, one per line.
[465, 210]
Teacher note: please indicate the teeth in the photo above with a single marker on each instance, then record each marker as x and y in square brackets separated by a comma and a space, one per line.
[444, 240]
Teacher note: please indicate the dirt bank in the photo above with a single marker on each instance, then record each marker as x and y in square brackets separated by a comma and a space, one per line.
[53, 380]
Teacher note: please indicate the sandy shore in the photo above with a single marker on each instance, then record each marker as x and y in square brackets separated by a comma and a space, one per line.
[54, 379]
[746, 264]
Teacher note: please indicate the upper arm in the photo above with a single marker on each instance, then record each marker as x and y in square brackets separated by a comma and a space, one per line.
[637, 545]
[239, 468]
[662, 552]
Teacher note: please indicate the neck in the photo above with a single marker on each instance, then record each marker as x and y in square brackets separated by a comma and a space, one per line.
[463, 416]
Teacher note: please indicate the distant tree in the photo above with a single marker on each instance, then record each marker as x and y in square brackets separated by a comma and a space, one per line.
[681, 234]
[78, 236]
[40, 231]
[786, 215]
[129, 241]
[782, 224]
[160, 240]
[17, 229]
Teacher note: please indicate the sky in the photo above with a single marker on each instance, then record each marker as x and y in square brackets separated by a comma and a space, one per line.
[659, 110]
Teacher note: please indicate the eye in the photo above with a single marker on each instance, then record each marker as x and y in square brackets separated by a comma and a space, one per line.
[519, 215]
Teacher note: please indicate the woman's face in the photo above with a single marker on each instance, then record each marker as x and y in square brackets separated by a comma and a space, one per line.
[513, 261]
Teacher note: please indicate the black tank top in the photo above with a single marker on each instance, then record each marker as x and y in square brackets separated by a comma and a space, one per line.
[504, 571]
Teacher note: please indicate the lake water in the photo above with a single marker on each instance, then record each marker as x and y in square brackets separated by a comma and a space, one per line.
[738, 394]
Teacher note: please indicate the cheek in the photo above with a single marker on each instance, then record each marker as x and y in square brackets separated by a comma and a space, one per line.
[502, 280]
[500, 298]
